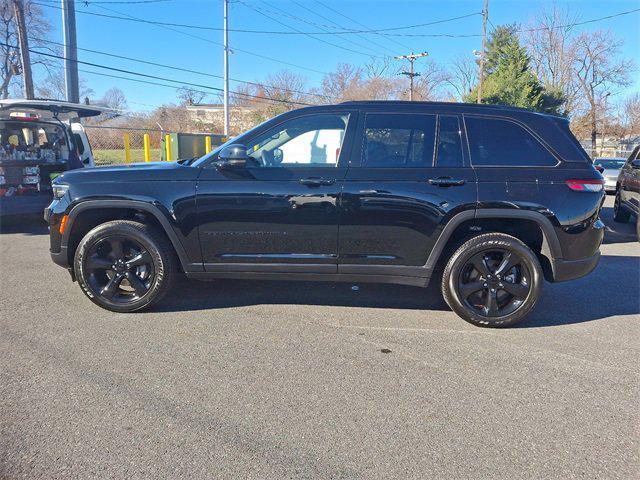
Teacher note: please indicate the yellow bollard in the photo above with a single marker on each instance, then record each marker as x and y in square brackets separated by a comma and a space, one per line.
[207, 144]
[167, 146]
[127, 148]
[147, 148]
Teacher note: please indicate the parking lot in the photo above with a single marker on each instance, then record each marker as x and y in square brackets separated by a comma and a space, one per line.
[236, 379]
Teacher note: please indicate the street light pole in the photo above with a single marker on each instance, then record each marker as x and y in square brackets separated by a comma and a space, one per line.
[226, 67]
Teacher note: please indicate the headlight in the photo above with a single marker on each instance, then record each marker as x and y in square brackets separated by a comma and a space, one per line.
[59, 191]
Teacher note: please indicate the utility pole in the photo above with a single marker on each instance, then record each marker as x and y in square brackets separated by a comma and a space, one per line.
[485, 14]
[25, 59]
[411, 73]
[226, 67]
[71, 82]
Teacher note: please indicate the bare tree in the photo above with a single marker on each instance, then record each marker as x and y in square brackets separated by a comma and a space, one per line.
[37, 27]
[52, 87]
[430, 83]
[463, 75]
[190, 96]
[345, 83]
[599, 70]
[115, 99]
[551, 47]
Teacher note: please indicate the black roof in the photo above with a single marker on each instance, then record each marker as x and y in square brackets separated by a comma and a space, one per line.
[475, 107]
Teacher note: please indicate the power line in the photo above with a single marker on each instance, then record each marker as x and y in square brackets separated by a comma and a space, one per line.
[166, 27]
[267, 32]
[155, 77]
[158, 84]
[187, 70]
[261, 12]
[361, 24]
[520, 30]
[325, 29]
[336, 24]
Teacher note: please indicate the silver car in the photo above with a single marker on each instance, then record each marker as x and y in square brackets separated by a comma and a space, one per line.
[610, 169]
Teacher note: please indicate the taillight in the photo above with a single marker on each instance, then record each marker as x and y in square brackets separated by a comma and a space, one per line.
[589, 185]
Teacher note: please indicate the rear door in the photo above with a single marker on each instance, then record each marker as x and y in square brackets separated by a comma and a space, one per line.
[408, 176]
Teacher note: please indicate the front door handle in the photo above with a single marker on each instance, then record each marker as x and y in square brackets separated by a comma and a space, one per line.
[317, 182]
[446, 181]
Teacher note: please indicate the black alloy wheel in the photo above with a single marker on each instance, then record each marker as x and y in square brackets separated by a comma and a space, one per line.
[492, 280]
[125, 266]
[494, 283]
[119, 269]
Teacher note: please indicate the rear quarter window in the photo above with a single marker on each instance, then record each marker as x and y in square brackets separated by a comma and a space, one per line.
[497, 142]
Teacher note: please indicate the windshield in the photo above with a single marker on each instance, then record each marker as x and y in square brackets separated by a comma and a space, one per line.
[609, 163]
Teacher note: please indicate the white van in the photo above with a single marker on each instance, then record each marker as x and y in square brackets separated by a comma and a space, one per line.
[39, 139]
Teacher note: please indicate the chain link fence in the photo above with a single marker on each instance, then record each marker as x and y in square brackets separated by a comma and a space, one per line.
[108, 144]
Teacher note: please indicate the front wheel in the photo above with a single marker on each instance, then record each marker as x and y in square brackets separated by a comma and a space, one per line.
[124, 266]
[492, 280]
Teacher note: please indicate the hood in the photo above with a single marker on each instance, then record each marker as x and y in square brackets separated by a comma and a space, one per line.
[133, 172]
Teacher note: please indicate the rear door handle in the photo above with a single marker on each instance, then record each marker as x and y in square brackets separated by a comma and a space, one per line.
[317, 182]
[446, 181]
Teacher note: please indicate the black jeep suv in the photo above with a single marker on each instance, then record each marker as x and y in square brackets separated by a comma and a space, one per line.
[489, 199]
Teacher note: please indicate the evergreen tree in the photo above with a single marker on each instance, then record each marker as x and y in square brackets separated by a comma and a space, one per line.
[509, 79]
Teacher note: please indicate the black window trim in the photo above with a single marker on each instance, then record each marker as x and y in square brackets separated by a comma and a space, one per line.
[520, 124]
[463, 138]
[343, 159]
[361, 131]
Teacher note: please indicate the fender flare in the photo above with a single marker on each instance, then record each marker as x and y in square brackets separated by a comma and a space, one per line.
[138, 205]
[550, 242]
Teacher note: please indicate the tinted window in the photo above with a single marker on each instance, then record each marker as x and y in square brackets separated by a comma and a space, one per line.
[308, 141]
[503, 143]
[449, 142]
[399, 140]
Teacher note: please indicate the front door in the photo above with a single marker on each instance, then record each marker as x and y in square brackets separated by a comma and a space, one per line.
[409, 178]
[279, 213]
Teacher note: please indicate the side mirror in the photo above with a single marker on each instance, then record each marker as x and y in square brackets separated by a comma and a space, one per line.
[233, 156]
[635, 163]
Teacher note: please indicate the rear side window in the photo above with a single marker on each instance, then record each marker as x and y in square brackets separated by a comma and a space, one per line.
[449, 152]
[502, 143]
[399, 140]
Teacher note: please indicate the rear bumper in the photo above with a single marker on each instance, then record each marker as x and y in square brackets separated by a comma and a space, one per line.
[564, 270]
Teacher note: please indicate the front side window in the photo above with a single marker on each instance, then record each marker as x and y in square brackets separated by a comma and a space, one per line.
[308, 141]
[502, 143]
[399, 140]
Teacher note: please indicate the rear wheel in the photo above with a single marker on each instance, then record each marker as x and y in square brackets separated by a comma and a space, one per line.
[493, 280]
[124, 266]
[619, 213]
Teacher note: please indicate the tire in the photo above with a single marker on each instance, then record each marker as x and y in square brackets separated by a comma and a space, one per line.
[620, 215]
[473, 275]
[128, 278]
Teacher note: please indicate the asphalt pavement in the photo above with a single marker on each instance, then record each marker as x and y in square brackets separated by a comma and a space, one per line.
[272, 380]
